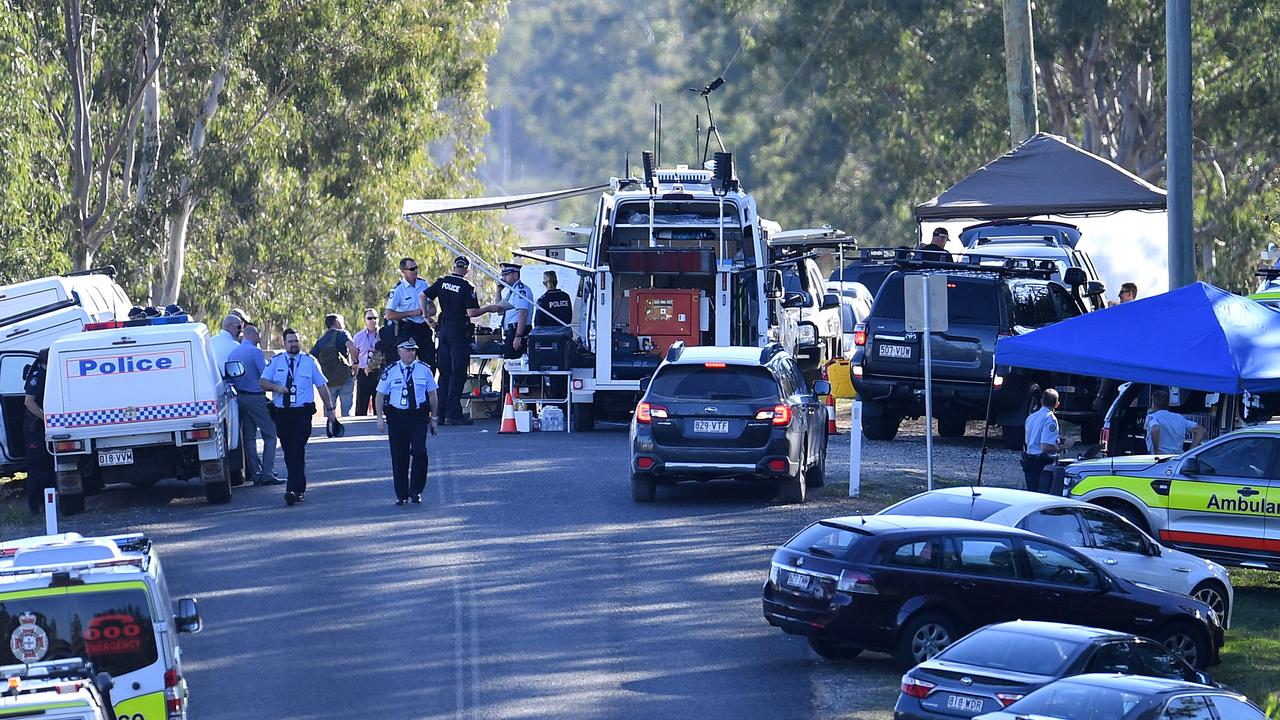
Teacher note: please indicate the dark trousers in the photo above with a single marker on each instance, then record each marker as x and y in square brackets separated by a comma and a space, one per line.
[407, 435]
[293, 428]
[366, 386]
[421, 334]
[39, 464]
[1032, 468]
[454, 356]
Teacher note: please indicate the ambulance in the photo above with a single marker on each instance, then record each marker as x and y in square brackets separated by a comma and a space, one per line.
[103, 600]
[56, 690]
[139, 401]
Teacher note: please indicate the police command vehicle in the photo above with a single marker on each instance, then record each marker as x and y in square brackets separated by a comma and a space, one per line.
[138, 402]
[1220, 500]
[103, 600]
[56, 690]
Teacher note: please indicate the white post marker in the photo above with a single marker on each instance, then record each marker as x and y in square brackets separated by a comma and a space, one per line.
[855, 449]
[50, 511]
[928, 390]
[925, 305]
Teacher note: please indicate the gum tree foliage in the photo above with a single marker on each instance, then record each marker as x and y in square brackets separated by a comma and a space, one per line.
[265, 165]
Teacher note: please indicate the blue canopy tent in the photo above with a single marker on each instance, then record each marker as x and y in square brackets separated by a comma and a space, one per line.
[1198, 337]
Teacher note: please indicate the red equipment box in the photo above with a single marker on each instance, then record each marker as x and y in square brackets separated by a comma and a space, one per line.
[666, 316]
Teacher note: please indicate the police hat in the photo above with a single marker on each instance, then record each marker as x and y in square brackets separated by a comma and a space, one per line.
[333, 428]
[137, 313]
[461, 262]
[409, 344]
[173, 309]
[510, 267]
[152, 311]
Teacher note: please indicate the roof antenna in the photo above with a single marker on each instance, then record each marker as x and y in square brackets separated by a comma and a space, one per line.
[711, 120]
[627, 161]
[659, 121]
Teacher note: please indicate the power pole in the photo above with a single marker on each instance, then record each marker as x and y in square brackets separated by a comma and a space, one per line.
[1018, 55]
[1177, 28]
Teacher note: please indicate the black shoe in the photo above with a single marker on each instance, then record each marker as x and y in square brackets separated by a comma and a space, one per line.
[446, 421]
[302, 496]
[290, 498]
[417, 499]
[402, 502]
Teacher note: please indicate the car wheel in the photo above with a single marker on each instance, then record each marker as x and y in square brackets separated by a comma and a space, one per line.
[219, 492]
[923, 636]
[951, 427]
[1183, 641]
[832, 651]
[71, 504]
[643, 489]
[816, 475]
[1214, 595]
[584, 417]
[792, 489]
[883, 427]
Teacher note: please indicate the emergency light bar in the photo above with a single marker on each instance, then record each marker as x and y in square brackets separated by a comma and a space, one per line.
[913, 258]
[140, 322]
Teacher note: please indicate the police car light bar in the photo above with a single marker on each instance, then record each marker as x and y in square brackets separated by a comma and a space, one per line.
[140, 322]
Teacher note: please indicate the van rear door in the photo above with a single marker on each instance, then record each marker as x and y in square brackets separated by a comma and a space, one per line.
[101, 386]
[958, 354]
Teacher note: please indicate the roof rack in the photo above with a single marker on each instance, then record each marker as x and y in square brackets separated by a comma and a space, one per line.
[108, 270]
[1269, 273]
[49, 670]
[911, 259]
[1046, 240]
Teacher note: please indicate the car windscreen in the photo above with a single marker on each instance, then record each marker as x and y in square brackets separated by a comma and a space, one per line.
[826, 539]
[1076, 700]
[732, 382]
[112, 628]
[970, 300]
[971, 506]
[1019, 652]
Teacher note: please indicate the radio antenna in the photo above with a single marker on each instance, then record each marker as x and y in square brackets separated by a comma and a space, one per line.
[659, 157]
[711, 120]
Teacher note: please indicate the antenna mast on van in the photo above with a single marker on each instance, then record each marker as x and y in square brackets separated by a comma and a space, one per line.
[711, 119]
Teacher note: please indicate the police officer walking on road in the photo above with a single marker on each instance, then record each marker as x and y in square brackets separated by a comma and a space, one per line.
[1042, 440]
[405, 308]
[405, 391]
[458, 304]
[294, 378]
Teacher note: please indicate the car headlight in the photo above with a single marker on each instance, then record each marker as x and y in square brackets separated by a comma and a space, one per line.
[808, 334]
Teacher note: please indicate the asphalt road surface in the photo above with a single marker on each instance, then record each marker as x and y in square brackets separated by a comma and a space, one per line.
[528, 584]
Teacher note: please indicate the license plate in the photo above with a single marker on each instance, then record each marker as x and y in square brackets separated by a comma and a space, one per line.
[967, 704]
[115, 457]
[796, 580]
[895, 351]
[711, 426]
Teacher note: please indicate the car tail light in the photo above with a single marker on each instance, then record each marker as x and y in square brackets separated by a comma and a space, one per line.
[714, 365]
[916, 688]
[174, 702]
[644, 463]
[1007, 699]
[646, 412]
[68, 446]
[194, 435]
[764, 414]
[860, 583]
[781, 414]
[778, 465]
[108, 325]
[860, 334]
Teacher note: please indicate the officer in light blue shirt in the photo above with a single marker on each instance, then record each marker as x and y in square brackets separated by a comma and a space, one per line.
[255, 417]
[294, 378]
[1042, 440]
[516, 302]
[405, 391]
[404, 307]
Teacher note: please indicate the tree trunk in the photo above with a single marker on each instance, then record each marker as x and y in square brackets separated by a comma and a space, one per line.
[150, 112]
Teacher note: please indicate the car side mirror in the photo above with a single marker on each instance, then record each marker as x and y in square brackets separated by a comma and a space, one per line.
[773, 284]
[821, 387]
[232, 369]
[794, 300]
[644, 384]
[188, 616]
[104, 682]
[830, 301]
[1094, 288]
[1154, 549]
[1074, 276]
[1204, 679]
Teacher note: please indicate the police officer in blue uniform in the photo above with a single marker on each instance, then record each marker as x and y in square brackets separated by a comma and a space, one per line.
[458, 304]
[405, 309]
[405, 392]
[516, 302]
[294, 378]
[39, 461]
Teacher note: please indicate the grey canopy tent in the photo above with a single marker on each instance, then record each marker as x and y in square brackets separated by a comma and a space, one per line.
[1045, 175]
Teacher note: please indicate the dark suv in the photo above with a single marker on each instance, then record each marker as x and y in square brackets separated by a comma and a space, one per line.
[729, 412]
[987, 298]
[910, 586]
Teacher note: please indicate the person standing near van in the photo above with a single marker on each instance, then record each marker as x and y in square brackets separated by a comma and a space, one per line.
[1042, 440]
[366, 376]
[254, 416]
[554, 303]
[294, 379]
[404, 306]
[458, 304]
[337, 354]
[227, 340]
[405, 391]
[1168, 430]
[39, 461]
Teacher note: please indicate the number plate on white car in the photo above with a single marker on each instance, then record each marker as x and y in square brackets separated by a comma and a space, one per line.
[711, 426]
[895, 351]
[115, 457]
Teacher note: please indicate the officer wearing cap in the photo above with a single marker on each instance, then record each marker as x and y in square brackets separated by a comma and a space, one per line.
[294, 378]
[516, 302]
[404, 393]
[458, 304]
[405, 308]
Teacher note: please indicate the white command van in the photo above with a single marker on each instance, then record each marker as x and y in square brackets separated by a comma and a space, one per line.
[105, 601]
[139, 403]
[94, 290]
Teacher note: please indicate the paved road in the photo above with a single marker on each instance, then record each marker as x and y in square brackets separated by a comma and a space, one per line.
[528, 584]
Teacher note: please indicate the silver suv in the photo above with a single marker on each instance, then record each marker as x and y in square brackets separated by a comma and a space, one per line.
[1041, 240]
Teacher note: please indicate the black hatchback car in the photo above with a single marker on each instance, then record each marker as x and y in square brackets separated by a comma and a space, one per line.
[995, 666]
[910, 586]
[729, 412]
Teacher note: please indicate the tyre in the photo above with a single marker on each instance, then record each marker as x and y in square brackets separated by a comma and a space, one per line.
[951, 427]
[584, 417]
[792, 489]
[219, 492]
[92, 482]
[816, 475]
[832, 651]
[643, 489]
[237, 475]
[924, 636]
[1183, 640]
[70, 504]
[883, 427]
[1214, 595]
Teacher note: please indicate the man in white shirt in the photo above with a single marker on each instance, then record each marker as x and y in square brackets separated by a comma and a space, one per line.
[1042, 440]
[227, 340]
[1167, 430]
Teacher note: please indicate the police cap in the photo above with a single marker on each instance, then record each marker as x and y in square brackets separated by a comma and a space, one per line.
[409, 344]
[136, 312]
[510, 267]
[461, 262]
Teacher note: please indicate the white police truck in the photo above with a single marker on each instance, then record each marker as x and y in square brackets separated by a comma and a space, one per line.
[139, 401]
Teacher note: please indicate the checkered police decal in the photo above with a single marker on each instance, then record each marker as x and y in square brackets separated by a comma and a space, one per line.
[132, 414]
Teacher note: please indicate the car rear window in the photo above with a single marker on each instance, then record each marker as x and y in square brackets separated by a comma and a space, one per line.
[972, 507]
[734, 382]
[1019, 652]
[1076, 700]
[1035, 304]
[112, 628]
[970, 300]
[827, 539]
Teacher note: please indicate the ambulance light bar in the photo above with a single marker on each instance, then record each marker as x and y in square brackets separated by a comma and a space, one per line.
[140, 322]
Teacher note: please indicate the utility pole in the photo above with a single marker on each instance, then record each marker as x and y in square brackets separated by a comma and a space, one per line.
[1019, 71]
[1177, 28]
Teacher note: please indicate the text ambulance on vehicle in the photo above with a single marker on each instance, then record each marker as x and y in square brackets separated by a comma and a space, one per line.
[139, 401]
[103, 600]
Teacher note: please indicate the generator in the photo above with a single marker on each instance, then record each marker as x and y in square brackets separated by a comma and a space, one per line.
[666, 315]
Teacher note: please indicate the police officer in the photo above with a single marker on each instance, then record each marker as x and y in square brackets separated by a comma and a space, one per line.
[294, 378]
[39, 461]
[405, 391]
[1042, 440]
[405, 308]
[555, 304]
[516, 302]
[458, 304]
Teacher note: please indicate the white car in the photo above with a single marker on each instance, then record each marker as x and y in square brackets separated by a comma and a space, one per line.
[1097, 532]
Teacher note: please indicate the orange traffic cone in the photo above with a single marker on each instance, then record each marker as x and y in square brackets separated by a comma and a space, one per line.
[508, 416]
[831, 415]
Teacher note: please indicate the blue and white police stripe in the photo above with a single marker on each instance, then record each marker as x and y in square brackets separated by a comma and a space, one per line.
[132, 414]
